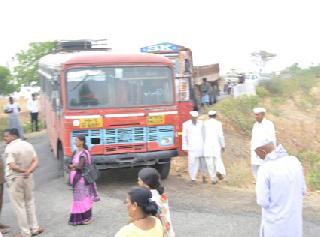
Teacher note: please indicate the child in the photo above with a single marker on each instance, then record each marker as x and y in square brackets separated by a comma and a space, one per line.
[150, 178]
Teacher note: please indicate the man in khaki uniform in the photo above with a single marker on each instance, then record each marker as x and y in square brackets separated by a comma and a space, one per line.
[3, 228]
[21, 161]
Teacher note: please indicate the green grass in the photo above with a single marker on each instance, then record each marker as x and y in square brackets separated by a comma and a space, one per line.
[3, 125]
[272, 94]
[26, 125]
[239, 111]
[27, 128]
[24, 117]
[301, 81]
[311, 164]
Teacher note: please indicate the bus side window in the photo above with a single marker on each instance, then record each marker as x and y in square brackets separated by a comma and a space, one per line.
[56, 95]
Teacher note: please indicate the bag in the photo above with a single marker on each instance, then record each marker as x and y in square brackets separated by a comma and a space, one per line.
[90, 172]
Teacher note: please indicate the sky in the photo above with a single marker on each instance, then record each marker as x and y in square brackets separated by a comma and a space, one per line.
[217, 31]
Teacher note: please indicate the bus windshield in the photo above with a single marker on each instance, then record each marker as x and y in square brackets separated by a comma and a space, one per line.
[114, 87]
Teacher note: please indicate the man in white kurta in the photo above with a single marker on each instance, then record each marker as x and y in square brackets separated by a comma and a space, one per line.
[262, 130]
[280, 189]
[213, 145]
[192, 142]
[13, 109]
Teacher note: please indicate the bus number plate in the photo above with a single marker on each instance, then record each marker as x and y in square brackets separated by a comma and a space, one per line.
[91, 123]
[159, 119]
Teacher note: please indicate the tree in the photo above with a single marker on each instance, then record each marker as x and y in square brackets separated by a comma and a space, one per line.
[261, 58]
[6, 81]
[294, 69]
[26, 72]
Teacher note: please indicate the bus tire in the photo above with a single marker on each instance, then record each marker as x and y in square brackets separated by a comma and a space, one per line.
[163, 169]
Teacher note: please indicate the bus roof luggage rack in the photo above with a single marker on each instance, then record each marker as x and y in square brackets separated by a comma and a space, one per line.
[82, 45]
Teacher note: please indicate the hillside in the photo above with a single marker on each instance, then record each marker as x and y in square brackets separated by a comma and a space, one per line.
[294, 107]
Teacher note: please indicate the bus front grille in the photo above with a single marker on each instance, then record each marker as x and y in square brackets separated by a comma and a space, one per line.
[131, 138]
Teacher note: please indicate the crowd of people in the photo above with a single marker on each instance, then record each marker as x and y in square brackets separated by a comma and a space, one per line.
[205, 94]
[279, 178]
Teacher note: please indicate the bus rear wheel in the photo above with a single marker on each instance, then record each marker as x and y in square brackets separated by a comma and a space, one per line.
[163, 169]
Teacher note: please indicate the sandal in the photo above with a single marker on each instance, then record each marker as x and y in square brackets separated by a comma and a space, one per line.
[4, 231]
[38, 231]
[87, 222]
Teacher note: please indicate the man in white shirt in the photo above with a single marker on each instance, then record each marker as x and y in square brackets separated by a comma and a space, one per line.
[280, 190]
[33, 107]
[213, 145]
[13, 109]
[192, 142]
[262, 129]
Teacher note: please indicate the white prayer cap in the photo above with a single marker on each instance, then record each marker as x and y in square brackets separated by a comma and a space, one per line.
[194, 113]
[259, 110]
[263, 142]
[212, 112]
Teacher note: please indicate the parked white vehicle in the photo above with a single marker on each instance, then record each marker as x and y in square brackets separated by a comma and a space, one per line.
[252, 78]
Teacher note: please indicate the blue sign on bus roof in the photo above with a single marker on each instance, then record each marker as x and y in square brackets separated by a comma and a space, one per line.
[161, 47]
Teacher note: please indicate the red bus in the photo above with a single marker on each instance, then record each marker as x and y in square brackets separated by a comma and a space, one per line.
[183, 69]
[124, 104]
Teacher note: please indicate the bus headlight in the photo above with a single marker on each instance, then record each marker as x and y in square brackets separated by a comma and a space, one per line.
[76, 123]
[166, 141]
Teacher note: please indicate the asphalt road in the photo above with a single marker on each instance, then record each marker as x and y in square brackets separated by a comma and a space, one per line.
[203, 210]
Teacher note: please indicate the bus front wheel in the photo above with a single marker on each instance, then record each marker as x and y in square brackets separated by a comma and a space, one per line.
[163, 169]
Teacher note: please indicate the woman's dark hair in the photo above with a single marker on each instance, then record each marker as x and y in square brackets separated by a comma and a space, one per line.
[83, 139]
[151, 177]
[142, 196]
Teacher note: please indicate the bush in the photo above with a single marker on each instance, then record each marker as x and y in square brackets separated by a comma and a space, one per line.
[239, 111]
[311, 164]
[274, 87]
[297, 88]
[262, 92]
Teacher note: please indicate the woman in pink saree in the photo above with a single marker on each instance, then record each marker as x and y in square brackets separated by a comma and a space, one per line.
[84, 194]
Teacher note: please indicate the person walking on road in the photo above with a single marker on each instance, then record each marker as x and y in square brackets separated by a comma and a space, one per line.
[33, 107]
[150, 178]
[3, 228]
[13, 109]
[84, 194]
[192, 142]
[205, 89]
[141, 215]
[262, 129]
[280, 190]
[214, 144]
[21, 162]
